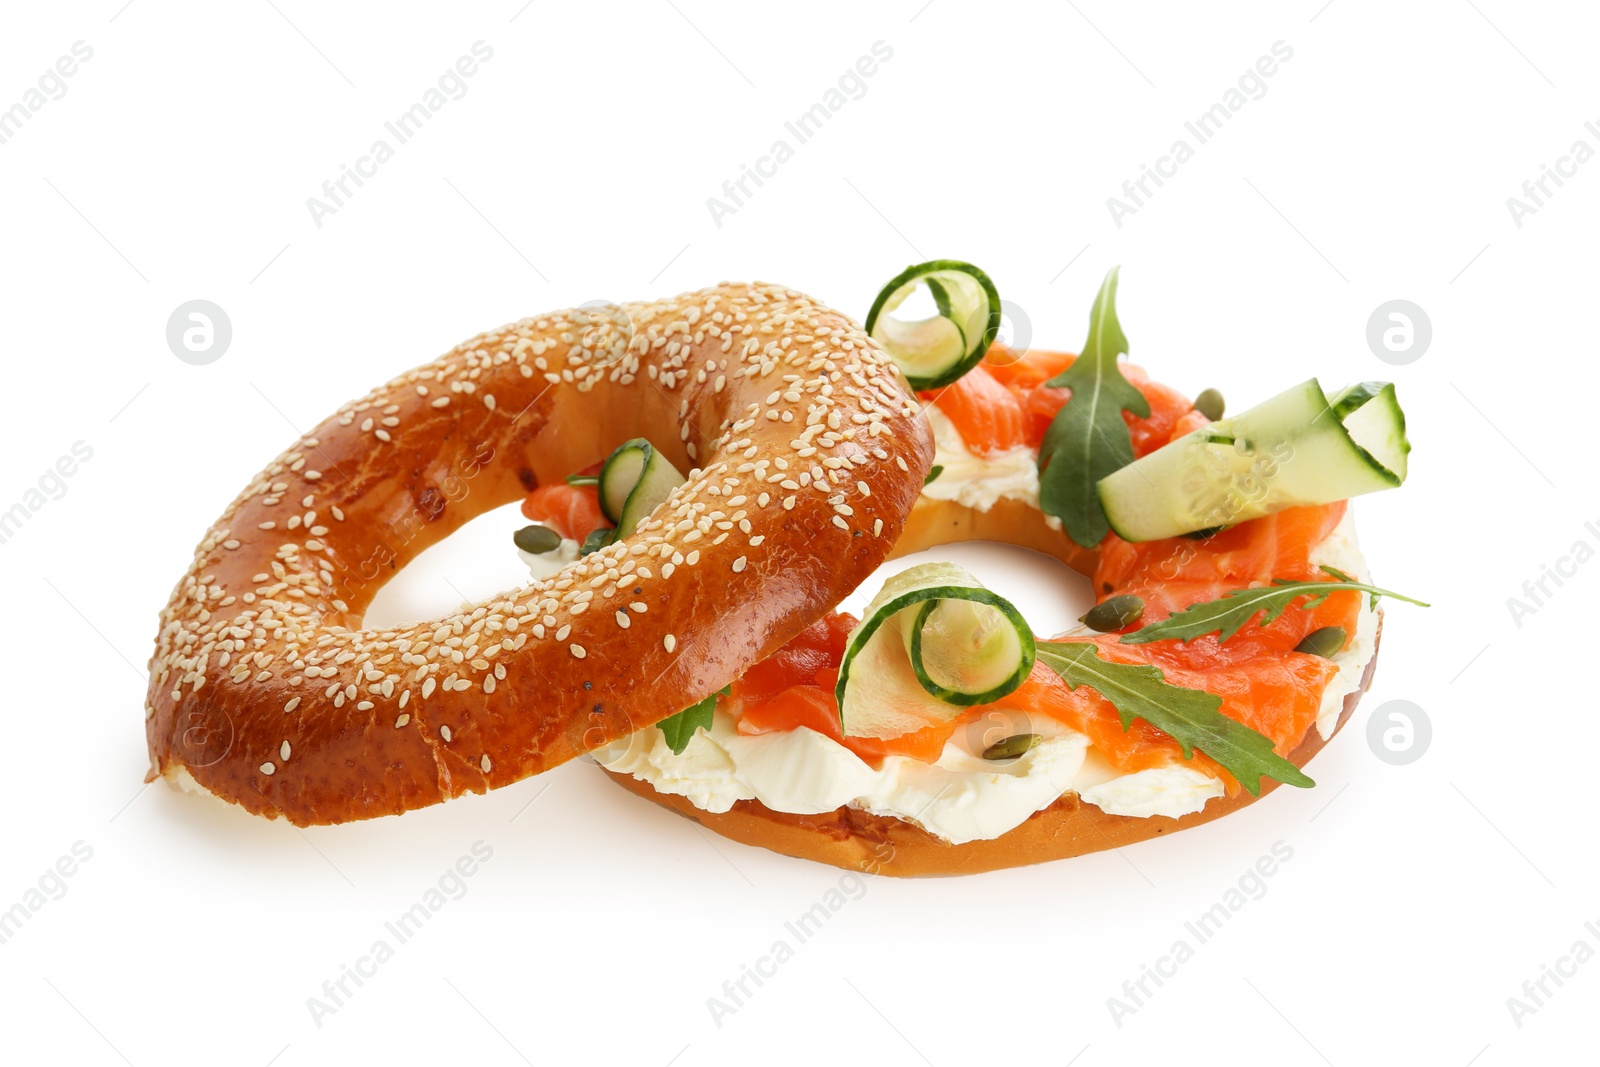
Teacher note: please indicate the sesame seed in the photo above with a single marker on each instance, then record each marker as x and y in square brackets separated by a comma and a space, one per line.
[485, 764]
[401, 721]
[267, 769]
[669, 642]
[837, 521]
[577, 651]
[283, 751]
[738, 565]
[623, 620]
[444, 732]
[294, 702]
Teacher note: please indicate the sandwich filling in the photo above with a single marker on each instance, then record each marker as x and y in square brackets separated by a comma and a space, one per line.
[958, 795]
[778, 737]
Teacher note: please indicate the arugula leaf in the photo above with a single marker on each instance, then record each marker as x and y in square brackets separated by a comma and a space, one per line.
[1372, 599]
[1225, 615]
[1189, 716]
[933, 472]
[598, 538]
[679, 729]
[1088, 440]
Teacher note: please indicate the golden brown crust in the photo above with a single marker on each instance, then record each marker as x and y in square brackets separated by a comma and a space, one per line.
[266, 690]
[881, 844]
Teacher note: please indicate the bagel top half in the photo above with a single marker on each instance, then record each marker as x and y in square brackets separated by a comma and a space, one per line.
[805, 454]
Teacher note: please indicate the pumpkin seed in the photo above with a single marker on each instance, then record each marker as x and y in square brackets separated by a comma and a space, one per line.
[1324, 642]
[1114, 613]
[535, 539]
[1011, 747]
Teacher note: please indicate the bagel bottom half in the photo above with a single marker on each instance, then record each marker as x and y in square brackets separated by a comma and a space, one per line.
[879, 844]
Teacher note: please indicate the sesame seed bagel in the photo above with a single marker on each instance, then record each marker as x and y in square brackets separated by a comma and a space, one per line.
[883, 844]
[805, 455]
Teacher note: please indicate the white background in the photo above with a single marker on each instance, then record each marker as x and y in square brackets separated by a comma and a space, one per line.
[577, 166]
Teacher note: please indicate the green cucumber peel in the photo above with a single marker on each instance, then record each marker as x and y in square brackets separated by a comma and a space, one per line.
[1300, 448]
[932, 642]
[635, 480]
[936, 351]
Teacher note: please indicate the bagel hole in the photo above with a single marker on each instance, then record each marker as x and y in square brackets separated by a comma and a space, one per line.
[479, 561]
[1048, 593]
[473, 564]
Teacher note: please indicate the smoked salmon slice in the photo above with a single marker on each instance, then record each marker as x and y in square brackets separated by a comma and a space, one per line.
[573, 511]
[989, 416]
[1003, 402]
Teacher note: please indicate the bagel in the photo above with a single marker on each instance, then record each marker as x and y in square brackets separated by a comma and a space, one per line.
[773, 785]
[853, 839]
[881, 844]
[805, 455]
